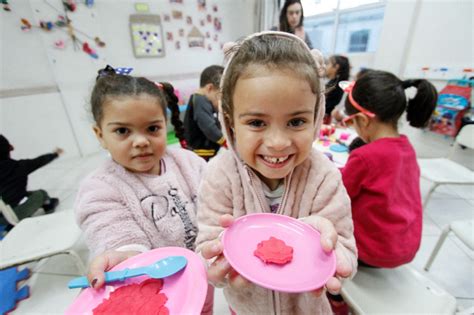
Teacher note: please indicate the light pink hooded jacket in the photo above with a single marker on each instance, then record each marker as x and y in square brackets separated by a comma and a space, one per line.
[313, 189]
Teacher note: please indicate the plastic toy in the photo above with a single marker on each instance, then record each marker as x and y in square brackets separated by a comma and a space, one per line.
[310, 268]
[9, 295]
[186, 290]
[159, 269]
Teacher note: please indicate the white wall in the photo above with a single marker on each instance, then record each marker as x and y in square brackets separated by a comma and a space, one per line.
[433, 33]
[44, 91]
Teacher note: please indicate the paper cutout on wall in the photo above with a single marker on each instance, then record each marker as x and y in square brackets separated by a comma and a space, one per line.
[189, 20]
[201, 5]
[166, 17]
[177, 45]
[178, 15]
[208, 35]
[209, 47]
[181, 32]
[209, 18]
[176, 1]
[147, 35]
[217, 24]
[215, 8]
[202, 22]
[195, 38]
[142, 7]
[216, 37]
[64, 24]
[169, 36]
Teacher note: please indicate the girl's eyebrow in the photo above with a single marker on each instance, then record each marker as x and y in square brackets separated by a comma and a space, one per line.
[127, 124]
[302, 112]
[254, 114]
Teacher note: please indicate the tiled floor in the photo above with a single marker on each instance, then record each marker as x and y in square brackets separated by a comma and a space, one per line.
[453, 269]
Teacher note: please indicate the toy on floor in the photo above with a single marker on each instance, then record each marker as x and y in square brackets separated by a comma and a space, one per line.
[9, 294]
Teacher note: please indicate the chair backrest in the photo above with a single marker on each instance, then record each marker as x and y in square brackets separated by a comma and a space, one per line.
[466, 136]
[8, 213]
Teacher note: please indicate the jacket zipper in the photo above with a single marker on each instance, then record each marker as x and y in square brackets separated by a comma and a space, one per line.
[274, 295]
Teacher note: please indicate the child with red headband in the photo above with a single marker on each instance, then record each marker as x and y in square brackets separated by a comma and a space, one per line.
[383, 177]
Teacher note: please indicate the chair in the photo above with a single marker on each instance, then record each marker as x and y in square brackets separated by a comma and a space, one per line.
[402, 290]
[464, 230]
[444, 171]
[39, 237]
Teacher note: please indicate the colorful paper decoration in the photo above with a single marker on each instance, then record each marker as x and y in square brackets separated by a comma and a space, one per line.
[195, 38]
[147, 35]
[142, 7]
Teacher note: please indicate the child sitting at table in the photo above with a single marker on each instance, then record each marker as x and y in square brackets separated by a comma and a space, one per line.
[382, 177]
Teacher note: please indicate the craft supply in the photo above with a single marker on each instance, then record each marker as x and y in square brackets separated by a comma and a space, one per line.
[274, 251]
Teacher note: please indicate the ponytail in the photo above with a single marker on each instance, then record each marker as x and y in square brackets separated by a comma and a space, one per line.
[172, 99]
[420, 107]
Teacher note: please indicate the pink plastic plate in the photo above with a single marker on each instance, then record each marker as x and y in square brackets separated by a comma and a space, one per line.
[310, 268]
[186, 290]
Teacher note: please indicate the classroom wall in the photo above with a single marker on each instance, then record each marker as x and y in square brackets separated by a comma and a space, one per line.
[427, 33]
[44, 91]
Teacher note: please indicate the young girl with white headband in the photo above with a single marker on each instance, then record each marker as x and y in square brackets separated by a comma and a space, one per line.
[271, 111]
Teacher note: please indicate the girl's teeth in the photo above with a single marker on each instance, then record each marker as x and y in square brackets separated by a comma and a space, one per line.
[275, 160]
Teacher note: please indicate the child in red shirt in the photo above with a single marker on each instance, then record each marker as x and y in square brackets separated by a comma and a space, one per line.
[382, 177]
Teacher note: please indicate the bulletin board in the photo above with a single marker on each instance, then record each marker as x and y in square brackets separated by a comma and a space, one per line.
[147, 36]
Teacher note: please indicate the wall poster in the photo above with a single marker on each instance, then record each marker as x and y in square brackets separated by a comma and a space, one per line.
[147, 35]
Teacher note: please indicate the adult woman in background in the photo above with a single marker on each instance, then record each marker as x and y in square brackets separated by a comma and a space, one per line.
[291, 20]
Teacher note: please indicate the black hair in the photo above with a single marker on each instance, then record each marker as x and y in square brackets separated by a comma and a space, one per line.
[384, 94]
[362, 71]
[344, 67]
[5, 148]
[284, 26]
[109, 85]
[211, 74]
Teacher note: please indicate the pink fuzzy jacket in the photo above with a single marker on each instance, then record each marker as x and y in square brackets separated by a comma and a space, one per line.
[116, 208]
[313, 189]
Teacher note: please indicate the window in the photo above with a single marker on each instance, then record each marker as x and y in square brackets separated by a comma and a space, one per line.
[358, 41]
[344, 26]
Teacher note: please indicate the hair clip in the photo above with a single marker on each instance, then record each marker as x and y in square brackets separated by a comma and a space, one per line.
[159, 85]
[123, 70]
[109, 70]
[347, 87]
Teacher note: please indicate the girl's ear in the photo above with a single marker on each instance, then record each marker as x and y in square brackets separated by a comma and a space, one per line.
[363, 120]
[100, 136]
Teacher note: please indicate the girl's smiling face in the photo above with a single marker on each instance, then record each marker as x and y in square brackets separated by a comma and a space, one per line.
[133, 130]
[273, 122]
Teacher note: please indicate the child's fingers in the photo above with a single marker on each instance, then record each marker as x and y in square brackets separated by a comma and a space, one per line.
[105, 262]
[236, 281]
[343, 265]
[217, 271]
[318, 292]
[328, 234]
[226, 220]
[212, 249]
[96, 275]
[327, 230]
[334, 286]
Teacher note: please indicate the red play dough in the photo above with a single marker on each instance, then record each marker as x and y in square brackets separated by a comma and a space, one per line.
[274, 251]
[137, 298]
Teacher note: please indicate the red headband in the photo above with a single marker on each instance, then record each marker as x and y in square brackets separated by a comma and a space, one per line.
[347, 87]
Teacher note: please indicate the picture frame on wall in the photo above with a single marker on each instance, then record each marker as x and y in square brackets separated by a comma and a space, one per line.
[147, 36]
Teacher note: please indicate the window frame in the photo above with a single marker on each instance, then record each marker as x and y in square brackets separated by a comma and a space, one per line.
[337, 12]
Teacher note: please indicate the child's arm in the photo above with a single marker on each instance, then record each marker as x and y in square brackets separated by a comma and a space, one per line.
[215, 212]
[107, 222]
[203, 114]
[331, 210]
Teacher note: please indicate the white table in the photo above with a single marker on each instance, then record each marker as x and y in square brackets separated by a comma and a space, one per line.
[339, 158]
